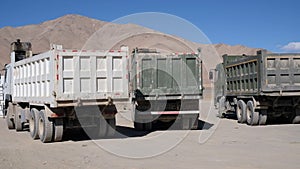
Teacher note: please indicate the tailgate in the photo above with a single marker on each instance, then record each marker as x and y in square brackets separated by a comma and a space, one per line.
[282, 73]
[88, 75]
[169, 74]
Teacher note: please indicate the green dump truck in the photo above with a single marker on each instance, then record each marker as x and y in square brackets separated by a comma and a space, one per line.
[259, 87]
[167, 87]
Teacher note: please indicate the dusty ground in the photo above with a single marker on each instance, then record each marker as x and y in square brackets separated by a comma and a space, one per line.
[231, 145]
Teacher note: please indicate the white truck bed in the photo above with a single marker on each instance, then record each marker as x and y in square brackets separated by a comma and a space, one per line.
[71, 77]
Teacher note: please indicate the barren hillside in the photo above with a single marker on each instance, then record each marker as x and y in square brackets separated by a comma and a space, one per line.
[78, 32]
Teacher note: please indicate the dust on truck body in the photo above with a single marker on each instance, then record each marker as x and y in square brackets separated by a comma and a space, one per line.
[61, 89]
[166, 87]
[259, 87]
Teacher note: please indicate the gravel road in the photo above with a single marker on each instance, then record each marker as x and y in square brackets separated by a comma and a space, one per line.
[216, 144]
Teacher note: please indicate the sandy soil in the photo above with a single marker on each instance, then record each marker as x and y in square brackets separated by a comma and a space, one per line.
[228, 145]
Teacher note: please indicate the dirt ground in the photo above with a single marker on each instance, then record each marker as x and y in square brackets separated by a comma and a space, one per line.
[216, 144]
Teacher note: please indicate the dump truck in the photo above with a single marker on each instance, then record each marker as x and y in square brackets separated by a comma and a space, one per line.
[258, 87]
[1, 95]
[61, 89]
[166, 88]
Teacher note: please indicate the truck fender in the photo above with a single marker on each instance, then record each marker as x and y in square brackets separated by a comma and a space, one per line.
[48, 111]
[255, 103]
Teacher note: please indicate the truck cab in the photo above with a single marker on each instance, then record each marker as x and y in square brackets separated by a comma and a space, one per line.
[19, 51]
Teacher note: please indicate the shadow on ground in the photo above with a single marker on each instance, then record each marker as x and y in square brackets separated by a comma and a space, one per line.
[123, 132]
[270, 120]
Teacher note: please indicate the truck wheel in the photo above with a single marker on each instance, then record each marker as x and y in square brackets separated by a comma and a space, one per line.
[9, 119]
[148, 126]
[185, 123]
[58, 127]
[222, 108]
[139, 126]
[102, 127]
[33, 123]
[262, 117]
[296, 120]
[18, 123]
[296, 117]
[252, 115]
[45, 127]
[194, 122]
[111, 128]
[241, 111]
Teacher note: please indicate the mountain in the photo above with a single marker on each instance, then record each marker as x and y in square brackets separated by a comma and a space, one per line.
[79, 32]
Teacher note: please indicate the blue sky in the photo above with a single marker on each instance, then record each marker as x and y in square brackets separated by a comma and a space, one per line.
[273, 25]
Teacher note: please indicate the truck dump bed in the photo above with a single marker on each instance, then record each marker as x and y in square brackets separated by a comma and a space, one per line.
[263, 74]
[173, 75]
[70, 77]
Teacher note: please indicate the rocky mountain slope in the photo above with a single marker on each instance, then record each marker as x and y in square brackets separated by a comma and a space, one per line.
[79, 32]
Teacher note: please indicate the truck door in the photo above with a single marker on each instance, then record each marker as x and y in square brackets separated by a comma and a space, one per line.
[7, 85]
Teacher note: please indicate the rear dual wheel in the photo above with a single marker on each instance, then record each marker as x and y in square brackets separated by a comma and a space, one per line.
[140, 126]
[107, 127]
[252, 115]
[33, 123]
[58, 129]
[45, 127]
[241, 111]
[18, 122]
[10, 117]
[49, 130]
[111, 129]
[262, 117]
[188, 123]
[222, 108]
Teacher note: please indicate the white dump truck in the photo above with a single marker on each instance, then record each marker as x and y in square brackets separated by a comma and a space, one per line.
[1, 95]
[60, 89]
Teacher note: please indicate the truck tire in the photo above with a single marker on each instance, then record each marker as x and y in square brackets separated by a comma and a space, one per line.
[296, 117]
[58, 127]
[252, 115]
[111, 128]
[139, 126]
[222, 108]
[296, 120]
[33, 123]
[262, 117]
[148, 126]
[9, 117]
[241, 111]
[18, 122]
[45, 127]
[102, 127]
[185, 123]
[194, 122]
